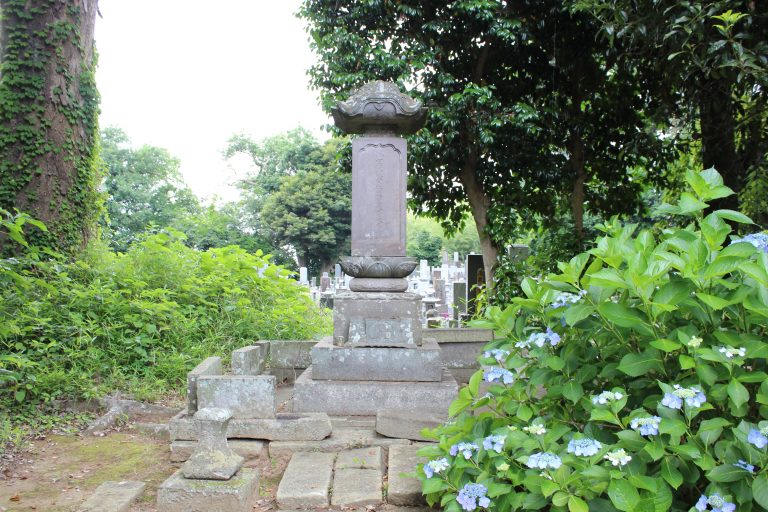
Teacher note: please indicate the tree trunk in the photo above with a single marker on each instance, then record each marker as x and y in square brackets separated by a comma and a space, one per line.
[718, 144]
[48, 123]
[576, 162]
[479, 203]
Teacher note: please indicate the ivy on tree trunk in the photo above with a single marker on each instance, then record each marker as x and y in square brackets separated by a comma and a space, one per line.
[49, 109]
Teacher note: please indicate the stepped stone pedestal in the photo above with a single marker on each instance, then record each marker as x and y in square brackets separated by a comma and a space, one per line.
[377, 357]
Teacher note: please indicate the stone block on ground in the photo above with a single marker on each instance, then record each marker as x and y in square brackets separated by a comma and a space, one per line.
[462, 335]
[408, 424]
[290, 354]
[308, 426]
[113, 497]
[371, 457]
[341, 439]
[353, 421]
[238, 494]
[365, 398]
[306, 481]
[356, 487]
[249, 360]
[209, 366]
[245, 396]
[404, 490]
[413, 363]
[246, 448]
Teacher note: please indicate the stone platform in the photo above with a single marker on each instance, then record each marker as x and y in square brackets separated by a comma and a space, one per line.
[388, 364]
[366, 398]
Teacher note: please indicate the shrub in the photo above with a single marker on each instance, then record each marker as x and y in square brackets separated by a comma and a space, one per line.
[140, 320]
[634, 379]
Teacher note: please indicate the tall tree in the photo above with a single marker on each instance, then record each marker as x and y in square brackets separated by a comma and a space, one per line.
[144, 187]
[299, 196]
[529, 112]
[710, 58]
[48, 118]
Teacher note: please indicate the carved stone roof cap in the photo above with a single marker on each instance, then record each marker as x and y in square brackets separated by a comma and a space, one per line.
[379, 107]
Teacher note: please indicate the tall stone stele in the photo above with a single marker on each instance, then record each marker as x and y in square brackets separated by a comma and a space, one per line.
[376, 358]
[378, 311]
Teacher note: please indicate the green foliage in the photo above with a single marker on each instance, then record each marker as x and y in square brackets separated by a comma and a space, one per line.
[424, 245]
[117, 320]
[49, 121]
[299, 196]
[144, 186]
[581, 407]
[528, 109]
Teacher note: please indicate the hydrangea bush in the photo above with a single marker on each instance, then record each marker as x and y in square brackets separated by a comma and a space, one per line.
[633, 380]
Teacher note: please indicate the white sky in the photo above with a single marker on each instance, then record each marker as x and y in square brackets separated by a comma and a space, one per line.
[187, 74]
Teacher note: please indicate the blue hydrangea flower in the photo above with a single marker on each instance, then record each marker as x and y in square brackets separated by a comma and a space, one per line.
[606, 397]
[544, 460]
[495, 443]
[584, 447]
[496, 353]
[730, 352]
[716, 502]
[465, 449]
[472, 496]
[618, 457]
[435, 466]
[647, 426]
[566, 299]
[758, 438]
[745, 466]
[499, 374]
[759, 240]
[540, 339]
[693, 397]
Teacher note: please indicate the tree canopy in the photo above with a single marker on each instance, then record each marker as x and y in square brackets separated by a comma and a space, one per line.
[530, 112]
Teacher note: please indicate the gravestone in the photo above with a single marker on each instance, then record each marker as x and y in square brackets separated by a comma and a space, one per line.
[303, 279]
[475, 278]
[377, 346]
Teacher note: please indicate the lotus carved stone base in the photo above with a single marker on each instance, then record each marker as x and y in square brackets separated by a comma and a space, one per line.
[378, 266]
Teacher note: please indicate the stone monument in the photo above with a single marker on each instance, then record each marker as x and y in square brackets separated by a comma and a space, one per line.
[377, 357]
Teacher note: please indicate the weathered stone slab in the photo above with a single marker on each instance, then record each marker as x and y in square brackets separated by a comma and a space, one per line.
[246, 448]
[285, 375]
[209, 366]
[238, 494]
[375, 305]
[371, 457]
[290, 354]
[378, 191]
[356, 487]
[331, 362]
[306, 481]
[249, 360]
[463, 375]
[245, 396]
[462, 335]
[113, 497]
[408, 424]
[342, 439]
[404, 490]
[365, 398]
[284, 427]
[353, 422]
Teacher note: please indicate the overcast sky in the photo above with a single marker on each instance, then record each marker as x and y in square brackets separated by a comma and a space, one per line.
[187, 74]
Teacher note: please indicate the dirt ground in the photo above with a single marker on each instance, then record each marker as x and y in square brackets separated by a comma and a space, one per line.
[59, 473]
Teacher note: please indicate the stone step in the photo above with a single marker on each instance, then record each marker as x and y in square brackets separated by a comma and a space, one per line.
[341, 439]
[246, 448]
[404, 490]
[306, 481]
[113, 497]
[354, 487]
